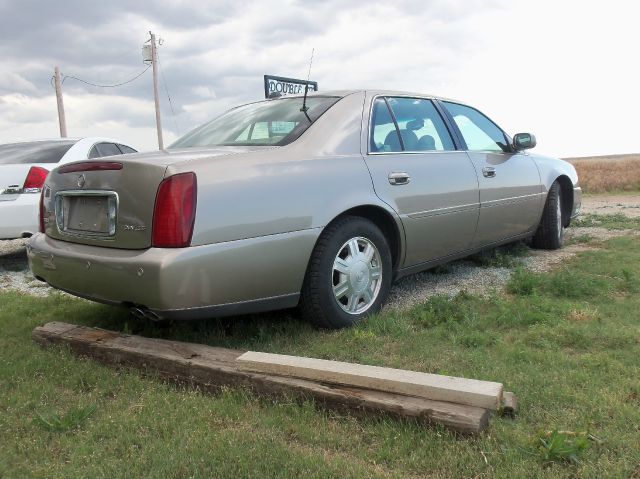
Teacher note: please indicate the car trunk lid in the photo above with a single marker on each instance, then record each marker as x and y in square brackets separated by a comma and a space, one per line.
[113, 207]
[110, 207]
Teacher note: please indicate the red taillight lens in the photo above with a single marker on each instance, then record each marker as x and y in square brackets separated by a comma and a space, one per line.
[90, 166]
[35, 178]
[175, 211]
[41, 212]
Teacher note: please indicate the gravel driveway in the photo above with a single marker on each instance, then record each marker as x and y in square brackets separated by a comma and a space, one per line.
[463, 275]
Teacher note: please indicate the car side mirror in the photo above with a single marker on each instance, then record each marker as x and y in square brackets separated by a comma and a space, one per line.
[523, 141]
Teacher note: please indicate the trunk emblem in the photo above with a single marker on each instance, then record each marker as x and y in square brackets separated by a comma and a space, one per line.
[81, 181]
[134, 227]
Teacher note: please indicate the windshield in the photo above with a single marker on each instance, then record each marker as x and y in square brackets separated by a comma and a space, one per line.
[272, 122]
[34, 152]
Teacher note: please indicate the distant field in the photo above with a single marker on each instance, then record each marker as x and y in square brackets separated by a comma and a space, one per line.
[608, 174]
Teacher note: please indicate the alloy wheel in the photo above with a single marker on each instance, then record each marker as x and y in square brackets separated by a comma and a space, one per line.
[357, 275]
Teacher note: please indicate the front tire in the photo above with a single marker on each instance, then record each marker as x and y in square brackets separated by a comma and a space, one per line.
[349, 274]
[550, 232]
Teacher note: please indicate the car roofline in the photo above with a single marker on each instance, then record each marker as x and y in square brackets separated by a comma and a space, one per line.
[96, 139]
[345, 93]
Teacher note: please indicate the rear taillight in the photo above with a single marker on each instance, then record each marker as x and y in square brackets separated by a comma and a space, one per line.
[35, 179]
[41, 212]
[175, 211]
[90, 166]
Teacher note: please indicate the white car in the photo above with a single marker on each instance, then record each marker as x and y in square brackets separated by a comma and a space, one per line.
[24, 167]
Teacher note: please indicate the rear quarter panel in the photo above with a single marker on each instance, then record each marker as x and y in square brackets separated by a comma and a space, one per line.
[296, 187]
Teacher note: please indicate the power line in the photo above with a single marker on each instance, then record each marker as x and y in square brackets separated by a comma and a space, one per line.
[166, 89]
[106, 86]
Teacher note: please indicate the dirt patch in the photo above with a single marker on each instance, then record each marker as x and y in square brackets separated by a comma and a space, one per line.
[628, 205]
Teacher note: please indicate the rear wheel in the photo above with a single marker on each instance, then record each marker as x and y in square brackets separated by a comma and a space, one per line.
[349, 274]
[550, 232]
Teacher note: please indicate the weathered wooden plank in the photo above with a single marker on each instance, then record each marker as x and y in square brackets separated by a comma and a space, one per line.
[470, 392]
[210, 368]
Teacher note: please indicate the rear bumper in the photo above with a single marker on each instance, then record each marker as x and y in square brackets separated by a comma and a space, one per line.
[19, 217]
[235, 277]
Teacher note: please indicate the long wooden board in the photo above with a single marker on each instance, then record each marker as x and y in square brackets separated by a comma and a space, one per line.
[210, 368]
[470, 392]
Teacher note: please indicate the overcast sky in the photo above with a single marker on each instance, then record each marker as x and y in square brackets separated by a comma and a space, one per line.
[566, 71]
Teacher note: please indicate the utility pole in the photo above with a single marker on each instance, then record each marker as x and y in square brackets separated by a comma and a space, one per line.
[154, 64]
[61, 118]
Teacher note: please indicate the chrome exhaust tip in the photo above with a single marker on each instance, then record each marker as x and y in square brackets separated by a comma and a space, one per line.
[144, 313]
[151, 315]
[137, 312]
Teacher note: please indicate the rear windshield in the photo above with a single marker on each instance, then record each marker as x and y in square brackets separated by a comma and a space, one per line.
[272, 122]
[34, 152]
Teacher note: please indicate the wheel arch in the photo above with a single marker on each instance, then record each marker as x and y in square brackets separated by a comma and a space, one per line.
[566, 194]
[389, 224]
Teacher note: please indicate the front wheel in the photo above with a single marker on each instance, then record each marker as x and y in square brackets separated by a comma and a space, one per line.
[550, 232]
[349, 274]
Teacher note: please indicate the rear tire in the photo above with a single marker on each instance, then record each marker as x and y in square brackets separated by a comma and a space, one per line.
[349, 274]
[550, 232]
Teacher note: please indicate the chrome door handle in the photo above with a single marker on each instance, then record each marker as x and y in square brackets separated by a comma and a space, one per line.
[399, 178]
[488, 172]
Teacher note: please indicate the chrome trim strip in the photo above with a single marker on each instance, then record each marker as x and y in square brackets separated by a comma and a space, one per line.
[471, 206]
[445, 210]
[413, 152]
[506, 201]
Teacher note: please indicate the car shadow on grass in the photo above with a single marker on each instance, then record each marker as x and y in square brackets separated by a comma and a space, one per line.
[263, 331]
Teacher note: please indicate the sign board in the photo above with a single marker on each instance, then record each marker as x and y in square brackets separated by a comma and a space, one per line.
[278, 86]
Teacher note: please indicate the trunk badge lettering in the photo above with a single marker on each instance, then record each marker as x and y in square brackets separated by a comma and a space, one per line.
[134, 227]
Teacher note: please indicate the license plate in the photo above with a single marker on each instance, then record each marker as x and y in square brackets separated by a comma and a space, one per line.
[82, 214]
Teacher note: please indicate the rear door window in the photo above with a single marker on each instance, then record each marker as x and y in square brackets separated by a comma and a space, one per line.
[421, 126]
[126, 149]
[108, 149]
[414, 126]
[34, 152]
[94, 153]
[384, 134]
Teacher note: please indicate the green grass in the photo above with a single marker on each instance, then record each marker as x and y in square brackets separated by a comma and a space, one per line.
[62, 423]
[561, 447]
[579, 239]
[567, 343]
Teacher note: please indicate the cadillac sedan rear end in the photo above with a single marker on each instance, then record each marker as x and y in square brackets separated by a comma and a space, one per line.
[193, 232]
[133, 244]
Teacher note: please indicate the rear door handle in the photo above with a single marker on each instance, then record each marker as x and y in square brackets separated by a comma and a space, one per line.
[399, 178]
[488, 172]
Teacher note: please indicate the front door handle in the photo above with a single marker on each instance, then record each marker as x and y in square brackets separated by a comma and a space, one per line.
[488, 172]
[399, 178]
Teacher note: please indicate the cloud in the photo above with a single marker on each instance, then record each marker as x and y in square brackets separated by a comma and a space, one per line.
[534, 68]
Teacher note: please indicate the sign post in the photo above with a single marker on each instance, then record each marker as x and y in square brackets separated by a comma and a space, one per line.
[278, 86]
